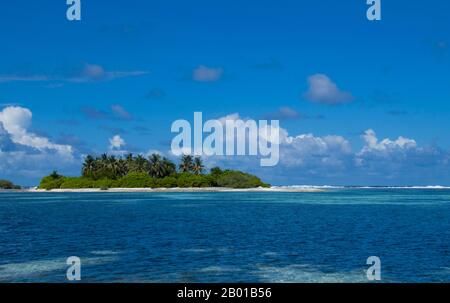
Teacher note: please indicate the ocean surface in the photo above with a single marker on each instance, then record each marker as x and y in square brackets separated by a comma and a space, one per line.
[227, 237]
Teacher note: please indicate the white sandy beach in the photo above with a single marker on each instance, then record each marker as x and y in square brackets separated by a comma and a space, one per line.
[177, 189]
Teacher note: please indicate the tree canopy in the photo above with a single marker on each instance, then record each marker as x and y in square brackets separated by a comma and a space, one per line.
[155, 171]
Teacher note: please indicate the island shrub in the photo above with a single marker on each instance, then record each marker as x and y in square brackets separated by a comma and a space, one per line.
[53, 181]
[184, 180]
[105, 183]
[77, 182]
[201, 181]
[167, 182]
[136, 180]
[238, 179]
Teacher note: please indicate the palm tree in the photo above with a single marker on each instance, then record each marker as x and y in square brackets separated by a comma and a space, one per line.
[156, 167]
[129, 161]
[88, 166]
[186, 164]
[122, 168]
[169, 166]
[140, 164]
[55, 175]
[102, 162]
[216, 171]
[111, 164]
[104, 158]
[198, 167]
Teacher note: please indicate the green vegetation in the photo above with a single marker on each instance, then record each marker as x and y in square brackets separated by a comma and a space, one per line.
[5, 184]
[155, 172]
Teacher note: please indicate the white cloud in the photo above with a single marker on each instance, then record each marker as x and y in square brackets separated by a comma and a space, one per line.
[25, 166]
[269, 133]
[26, 157]
[307, 150]
[401, 161]
[323, 90]
[304, 158]
[372, 143]
[330, 159]
[16, 121]
[116, 142]
[207, 74]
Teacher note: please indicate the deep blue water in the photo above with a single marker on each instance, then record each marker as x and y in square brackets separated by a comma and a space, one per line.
[226, 237]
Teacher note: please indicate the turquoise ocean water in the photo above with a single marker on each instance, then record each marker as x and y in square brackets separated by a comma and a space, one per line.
[227, 237]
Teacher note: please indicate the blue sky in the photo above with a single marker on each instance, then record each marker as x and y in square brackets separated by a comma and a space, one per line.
[130, 68]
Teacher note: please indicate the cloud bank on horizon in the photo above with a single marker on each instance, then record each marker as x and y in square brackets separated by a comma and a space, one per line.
[303, 157]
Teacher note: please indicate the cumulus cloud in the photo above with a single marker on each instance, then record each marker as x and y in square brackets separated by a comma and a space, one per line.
[385, 145]
[307, 150]
[323, 90]
[207, 74]
[6, 144]
[26, 167]
[16, 121]
[386, 153]
[303, 143]
[303, 155]
[331, 159]
[116, 143]
[26, 156]
[246, 133]
[270, 133]
[398, 161]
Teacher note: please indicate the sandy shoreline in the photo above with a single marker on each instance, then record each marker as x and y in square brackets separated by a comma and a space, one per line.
[171, 190]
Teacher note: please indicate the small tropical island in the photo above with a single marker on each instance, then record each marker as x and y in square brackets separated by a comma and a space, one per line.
[5, 184]
[108, 172]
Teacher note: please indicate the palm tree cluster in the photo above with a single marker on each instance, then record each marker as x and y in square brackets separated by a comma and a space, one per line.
[189, 164]
[156, 166]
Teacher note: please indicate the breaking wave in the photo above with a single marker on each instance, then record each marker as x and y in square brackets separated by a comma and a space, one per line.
[359, 187]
